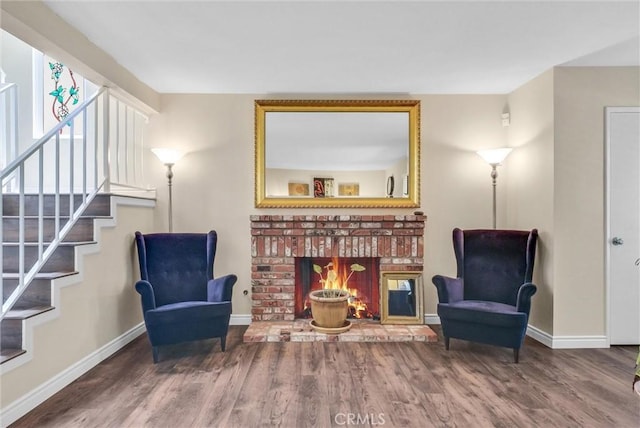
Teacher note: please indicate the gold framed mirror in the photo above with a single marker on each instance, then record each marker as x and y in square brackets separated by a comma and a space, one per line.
[337, 153]
[401, 298]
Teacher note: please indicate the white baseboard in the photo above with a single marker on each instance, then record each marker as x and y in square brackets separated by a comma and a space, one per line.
[240, 319]
[539, 335]
[579, 342]
[553, 342]
[431, 319]
[567, 342]
[35, 397]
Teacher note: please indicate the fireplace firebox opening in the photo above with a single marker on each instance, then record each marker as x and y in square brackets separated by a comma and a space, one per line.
[360, 276]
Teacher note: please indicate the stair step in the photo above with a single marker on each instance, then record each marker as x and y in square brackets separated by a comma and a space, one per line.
[23, 314]
[100, 206]
[11, 331]
[62, 259]
[11, 325]
[7, 354]
[81, 231]
[37, 297]
[44, 275]
[37, 293]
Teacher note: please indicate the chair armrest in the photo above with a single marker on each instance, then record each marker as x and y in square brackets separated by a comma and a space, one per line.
[523, 304]
[146, 292]
[449, 289]
[220, 289]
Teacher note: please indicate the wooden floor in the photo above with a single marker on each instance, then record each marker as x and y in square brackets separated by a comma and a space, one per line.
[408, 384]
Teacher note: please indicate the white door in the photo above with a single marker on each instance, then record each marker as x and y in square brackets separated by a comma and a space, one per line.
[623, 228]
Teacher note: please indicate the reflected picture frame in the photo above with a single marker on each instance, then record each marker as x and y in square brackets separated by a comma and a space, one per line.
[349, 189]
[298, 189]
[401, 298]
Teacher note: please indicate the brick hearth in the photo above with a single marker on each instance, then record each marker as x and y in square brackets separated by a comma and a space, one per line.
[361, 331]
[276, 240]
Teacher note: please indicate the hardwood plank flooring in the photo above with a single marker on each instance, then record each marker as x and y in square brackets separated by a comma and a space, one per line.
[325, 384]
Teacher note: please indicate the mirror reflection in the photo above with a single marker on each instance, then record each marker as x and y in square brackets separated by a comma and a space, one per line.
[358, 149]
[337, 153]
[401, 298]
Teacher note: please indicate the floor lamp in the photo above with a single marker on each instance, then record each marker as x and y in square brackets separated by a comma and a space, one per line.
[494, 157]
[169, 157]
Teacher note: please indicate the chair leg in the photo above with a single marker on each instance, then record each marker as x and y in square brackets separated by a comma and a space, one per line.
[155, 352]
[516, 355]
[223, 342]
[446, 343]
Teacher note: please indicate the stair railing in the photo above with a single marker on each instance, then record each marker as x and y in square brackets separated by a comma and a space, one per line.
[9, 120]
[48, 166]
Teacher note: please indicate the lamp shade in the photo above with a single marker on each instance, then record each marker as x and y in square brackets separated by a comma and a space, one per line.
[168, 156]
[494, 156]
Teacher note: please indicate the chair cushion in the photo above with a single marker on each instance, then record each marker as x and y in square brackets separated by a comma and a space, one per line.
[176, 313]
[178, 266]
[495, 264]
[483, 312]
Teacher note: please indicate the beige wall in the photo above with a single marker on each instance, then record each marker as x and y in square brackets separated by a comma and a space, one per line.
[531, 184]
[556, 184]
[213, 184]
[456, 182]
[93, 312]
[580, 95]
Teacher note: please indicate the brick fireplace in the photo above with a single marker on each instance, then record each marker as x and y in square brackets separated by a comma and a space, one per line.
[277, 240]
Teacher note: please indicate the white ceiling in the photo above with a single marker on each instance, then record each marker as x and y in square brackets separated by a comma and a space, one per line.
[338, 47]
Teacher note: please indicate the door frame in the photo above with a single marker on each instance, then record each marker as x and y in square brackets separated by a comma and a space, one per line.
[607, 215]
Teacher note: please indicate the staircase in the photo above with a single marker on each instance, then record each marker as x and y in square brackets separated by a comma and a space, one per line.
[50, 195]
[37, 299]
[58, 200]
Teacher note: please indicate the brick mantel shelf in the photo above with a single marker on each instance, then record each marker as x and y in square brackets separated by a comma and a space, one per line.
[276, 240]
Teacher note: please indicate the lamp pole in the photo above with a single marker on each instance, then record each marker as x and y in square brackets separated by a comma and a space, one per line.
[169, 157]
[170, 182]
[494, 176]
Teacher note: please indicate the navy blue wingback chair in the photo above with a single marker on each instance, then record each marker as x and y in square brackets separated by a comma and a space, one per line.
[489, 301]
[181, 301]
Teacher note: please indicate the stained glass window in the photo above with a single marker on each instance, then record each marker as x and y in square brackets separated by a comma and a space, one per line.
[58, 91]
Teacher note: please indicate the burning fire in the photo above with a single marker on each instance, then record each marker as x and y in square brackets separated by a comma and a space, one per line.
[337, 278]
